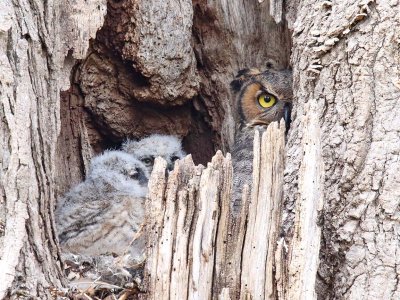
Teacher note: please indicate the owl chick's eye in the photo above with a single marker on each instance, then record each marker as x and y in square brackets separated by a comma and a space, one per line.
[148, 160]
[134, 175]
[174, 158]
[266, 100]
[131, 173]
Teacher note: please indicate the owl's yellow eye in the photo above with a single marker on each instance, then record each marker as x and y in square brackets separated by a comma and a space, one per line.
[266, 100]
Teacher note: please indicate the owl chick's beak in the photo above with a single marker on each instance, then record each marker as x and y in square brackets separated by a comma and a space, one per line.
[287, 110]
[171, 166]
[143, 180]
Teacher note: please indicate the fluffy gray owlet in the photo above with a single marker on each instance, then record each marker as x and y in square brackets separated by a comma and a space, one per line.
[261, 98]
[102, 214]
[147, 149]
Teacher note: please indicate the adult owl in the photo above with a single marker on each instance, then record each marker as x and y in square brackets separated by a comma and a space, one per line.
[169, 147]
[101, 215]
[261, 98]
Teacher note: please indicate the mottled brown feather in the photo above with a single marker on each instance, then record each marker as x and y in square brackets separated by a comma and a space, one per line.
[248, 102]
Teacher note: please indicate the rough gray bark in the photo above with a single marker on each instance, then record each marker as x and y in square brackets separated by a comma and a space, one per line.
[38, 45]
[346, 74]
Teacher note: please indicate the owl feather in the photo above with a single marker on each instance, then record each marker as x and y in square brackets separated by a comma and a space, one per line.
[101, 214]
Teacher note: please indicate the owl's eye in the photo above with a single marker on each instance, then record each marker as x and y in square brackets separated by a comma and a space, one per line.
[134, 175]
[130, 173]
[266, 100]
[148, 160]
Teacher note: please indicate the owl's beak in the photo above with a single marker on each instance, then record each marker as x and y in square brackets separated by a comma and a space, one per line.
[287, 110]
[170, 166]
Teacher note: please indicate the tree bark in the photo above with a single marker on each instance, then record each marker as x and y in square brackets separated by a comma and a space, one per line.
[345, 66]
[39, 43]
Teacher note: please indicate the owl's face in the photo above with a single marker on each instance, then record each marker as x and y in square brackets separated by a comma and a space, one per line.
[263, 97]
[121, 171]
[135, 171]
[147, 149]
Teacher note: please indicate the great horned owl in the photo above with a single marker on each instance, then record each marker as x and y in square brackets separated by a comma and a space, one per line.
[261, 98]
[147, 149]
[102, 214]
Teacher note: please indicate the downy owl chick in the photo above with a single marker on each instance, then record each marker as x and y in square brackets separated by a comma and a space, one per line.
[147, 149]
[102, 214]
[261, 98]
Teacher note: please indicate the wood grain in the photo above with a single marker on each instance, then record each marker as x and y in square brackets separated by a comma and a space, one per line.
[198, 248]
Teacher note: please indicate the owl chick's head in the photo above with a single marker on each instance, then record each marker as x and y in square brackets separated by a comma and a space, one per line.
[119, 171]
[263, 97]
[147, 149]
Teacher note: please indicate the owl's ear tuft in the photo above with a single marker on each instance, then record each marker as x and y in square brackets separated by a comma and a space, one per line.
[241, 77]
[243, 72]
[248, 72]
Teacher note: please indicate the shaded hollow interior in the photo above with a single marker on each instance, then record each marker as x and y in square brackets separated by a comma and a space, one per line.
[105, 117]
[120, 91]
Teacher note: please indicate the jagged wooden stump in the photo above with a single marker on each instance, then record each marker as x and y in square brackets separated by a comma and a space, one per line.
[198, 248]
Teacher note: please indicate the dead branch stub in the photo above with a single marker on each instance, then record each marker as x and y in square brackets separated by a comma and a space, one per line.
[198, 248]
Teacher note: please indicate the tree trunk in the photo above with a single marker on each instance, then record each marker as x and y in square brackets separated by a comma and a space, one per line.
[39, 43]
[78, 77]
[346, 80]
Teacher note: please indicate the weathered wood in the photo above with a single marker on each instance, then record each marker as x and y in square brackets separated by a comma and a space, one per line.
[229, 247]
[263, 225]
[305, 245]
[39, 42]
[275, 9]
[193, 252]
[205, 228]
